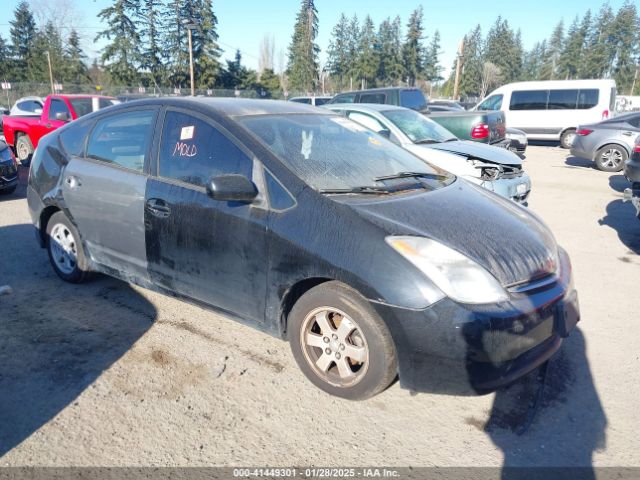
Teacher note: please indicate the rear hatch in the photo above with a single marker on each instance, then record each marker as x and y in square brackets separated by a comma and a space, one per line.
[486, 127]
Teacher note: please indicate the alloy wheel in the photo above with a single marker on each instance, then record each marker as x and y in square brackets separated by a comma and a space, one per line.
[63, 249]
[611, 158]
[334, 346]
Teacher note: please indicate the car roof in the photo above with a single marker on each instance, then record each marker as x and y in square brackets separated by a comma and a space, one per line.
[232, 107]
[365, 107]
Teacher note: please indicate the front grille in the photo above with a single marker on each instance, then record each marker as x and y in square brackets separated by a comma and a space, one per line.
[538, 284]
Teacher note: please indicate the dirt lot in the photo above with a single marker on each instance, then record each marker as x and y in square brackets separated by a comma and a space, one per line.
[109, 374]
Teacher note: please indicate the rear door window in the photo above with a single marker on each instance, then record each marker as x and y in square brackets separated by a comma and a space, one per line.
[588, 98]
[563, 99]
[122, 139]
[73, 139]
[192, 151]
[529, 100]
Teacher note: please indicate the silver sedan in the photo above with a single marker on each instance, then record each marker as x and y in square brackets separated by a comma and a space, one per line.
[608, 143]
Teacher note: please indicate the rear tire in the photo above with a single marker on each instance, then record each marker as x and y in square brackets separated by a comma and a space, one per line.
[567, 137]
[340, 343]
[65, 249]
[611, 158]
[24, 149]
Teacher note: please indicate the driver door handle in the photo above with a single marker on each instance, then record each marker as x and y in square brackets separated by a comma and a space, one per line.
[158, 208]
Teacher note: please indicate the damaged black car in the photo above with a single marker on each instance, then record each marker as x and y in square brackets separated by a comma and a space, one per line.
[373, 264]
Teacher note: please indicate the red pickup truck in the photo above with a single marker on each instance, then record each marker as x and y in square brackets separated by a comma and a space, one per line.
[24, 132]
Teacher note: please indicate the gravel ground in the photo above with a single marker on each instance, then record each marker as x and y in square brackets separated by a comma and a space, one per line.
[106, 374]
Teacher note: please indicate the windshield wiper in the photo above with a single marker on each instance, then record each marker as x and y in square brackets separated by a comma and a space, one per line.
[408, 175]
[452, 139]
[425, 141]
[372, 190]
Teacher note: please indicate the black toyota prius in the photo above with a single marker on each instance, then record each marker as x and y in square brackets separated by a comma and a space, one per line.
[369, 261]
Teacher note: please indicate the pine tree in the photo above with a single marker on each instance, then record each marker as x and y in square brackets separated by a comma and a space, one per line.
[23, 37]
[353, 43]
[122, 55]
[413, 49]
[625, 36]
[206, 50]
[47, 41]
[338, 51]
[585, 27]
[174, 44]
[600, 48]
[503, 48]
[432, 68]
[472, 58]
[76, 69]
[532, 62]
[368, 59]
[5, 61]
[150, 35]
[555, 46]
[390, 69]
[302, 67]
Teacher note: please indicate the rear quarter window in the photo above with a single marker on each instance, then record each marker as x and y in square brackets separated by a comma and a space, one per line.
[73, 138]
[373, 98]
[588, 98]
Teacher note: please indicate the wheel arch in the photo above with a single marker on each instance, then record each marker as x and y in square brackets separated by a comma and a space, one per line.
[600, 146]
[293, 294]
[45, 216]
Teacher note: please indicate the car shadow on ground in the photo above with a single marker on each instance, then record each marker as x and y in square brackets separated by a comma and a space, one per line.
[619, 182]
[572, 161]
[622, 218]
[56, 338]
[552, 420]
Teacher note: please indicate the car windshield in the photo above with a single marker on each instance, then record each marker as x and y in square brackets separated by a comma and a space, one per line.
[418, 128]
[333, 153]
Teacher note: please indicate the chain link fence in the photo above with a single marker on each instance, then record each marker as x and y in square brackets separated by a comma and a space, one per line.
[13, 91]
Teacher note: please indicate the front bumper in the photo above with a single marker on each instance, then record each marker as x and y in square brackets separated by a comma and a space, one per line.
[516, 189]
[452, 348]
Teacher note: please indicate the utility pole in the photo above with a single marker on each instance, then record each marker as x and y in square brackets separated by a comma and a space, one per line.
[456, 85]
[191, 25]
[635, 77]
[50, 72]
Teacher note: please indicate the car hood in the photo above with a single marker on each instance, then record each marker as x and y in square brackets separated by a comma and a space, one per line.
[506, 239]
[481, 151]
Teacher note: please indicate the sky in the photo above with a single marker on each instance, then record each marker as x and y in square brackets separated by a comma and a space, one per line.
[242, 24]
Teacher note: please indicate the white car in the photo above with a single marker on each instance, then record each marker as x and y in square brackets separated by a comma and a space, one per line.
[28, 106]
[494, 168]
[553, 109]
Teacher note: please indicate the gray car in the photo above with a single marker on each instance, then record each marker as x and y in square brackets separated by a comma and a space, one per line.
[496, 169]
[609, 143]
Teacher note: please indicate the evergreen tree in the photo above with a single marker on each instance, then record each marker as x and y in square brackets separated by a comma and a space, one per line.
[150, 35]
[472, 58]
[302, 67]
[413, 49]
[368, 59]
[122, 55]
[555, 46]
[5, 61]
[625, 37]
[270, 82]
[76, 69]
[353, 43]
[432, 68]
[585, 28]
[338, 51]
[23, 37]
[390, 68]
[532, 63]
[174, 44]
[47, 40]
[600, 45]
[503, 48]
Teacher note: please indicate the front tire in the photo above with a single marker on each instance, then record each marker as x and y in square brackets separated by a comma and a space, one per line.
[567, 137]
[611, 158]
[340, 343]
[24, 149]
[65, 249]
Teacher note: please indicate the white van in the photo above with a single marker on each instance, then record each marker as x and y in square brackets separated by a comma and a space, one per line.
[551, 110]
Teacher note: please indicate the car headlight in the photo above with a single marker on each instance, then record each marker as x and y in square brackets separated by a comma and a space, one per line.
[459, 277]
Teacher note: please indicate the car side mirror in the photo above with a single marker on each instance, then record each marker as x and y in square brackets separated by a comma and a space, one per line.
[63, 116]
[385, 132]
[232, 188]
